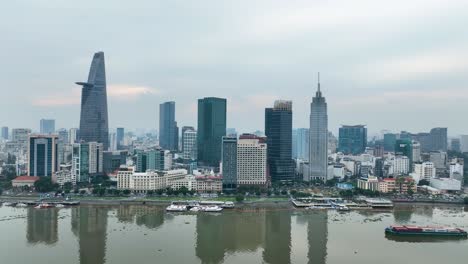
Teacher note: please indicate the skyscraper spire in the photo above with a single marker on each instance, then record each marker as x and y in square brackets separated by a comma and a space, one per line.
[318, 83]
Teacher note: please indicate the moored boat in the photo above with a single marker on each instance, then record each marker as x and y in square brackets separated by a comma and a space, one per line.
[43, 206]
[21, 205]
[211, 208]
[425, 231]
[59, 206]
[176, 208]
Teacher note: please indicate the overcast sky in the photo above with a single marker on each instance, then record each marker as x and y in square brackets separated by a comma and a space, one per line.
[397, 65]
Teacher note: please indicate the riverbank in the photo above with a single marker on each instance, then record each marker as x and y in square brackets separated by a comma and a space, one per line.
[261, 202]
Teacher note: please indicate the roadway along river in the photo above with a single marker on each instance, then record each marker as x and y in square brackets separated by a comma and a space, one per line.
[147, 234]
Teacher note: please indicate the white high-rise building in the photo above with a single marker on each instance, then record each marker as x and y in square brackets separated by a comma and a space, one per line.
[251, 160]
[424, 171]
[72, 135]
[416, 151]
[318, 148]
[167, 160]
[189, 144]
[112, 141]
[400, 165]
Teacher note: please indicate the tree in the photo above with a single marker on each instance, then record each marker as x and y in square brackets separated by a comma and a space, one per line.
[399, 182]
[284, 192]
[183, 190]
[150, 192]
[44, 184]
[240, 198]
[82, 192]
[410, 186]
[466, 200]
[126, 192]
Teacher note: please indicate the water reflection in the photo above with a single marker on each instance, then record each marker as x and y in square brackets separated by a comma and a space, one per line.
[42, 226]
[252, 236]
[277, 237]
[228, 232]
[89, 224]
[317, 236]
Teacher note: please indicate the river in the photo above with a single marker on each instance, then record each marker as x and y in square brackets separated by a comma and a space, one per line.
[147, 234]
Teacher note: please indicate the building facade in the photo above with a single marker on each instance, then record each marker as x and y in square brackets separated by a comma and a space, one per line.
[168, 130]
[318, 150]
[252, 166]
[211, 129]
[87, 160]
[229, 162]
[151, 180]
[94, 125]
[47, 126]
[189, 144]
[352, 139]
[43, 155]
[278, 130]
[301, 144]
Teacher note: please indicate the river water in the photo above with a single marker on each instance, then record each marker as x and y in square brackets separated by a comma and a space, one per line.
[147, 234]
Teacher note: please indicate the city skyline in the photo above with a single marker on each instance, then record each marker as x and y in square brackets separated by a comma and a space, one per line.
[387, 74]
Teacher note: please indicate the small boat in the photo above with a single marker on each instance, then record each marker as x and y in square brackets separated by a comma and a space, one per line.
[43, 206]
[21, 205]
[195, 209]
[211, 208]
[8, 204]
[228, 205]
[425, 231]
[176, 208]
[59, 206]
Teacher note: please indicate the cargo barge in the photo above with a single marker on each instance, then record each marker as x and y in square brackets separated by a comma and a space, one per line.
[425, 231]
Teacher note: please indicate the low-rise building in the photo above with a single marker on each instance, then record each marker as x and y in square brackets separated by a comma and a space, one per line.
[64, 175]
[446, 184]
[209, 184]
[23, 181]
[151, 180]
[388, 185]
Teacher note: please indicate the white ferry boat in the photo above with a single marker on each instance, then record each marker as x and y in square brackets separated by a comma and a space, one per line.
[378, 203]
[211, 208]
[176, 208]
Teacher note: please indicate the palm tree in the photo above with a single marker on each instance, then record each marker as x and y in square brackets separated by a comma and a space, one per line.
[400, 181]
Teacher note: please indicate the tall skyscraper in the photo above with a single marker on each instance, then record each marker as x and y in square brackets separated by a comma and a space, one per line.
[120, 137]
[43, 155]
[47, 126]
[229, 162]
[352, 139]
[318, 151]
[439, 139]
[211, 129]
[278, 130]
[168, 130]
[94, 125]
[5, 132]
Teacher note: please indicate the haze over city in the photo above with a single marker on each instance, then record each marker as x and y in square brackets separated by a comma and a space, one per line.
[392, 65]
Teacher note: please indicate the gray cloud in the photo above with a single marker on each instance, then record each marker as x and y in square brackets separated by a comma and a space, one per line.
[370, 53]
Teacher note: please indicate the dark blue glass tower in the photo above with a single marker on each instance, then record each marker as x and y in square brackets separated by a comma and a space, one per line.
[168, 130]
[93, 120]
[278, 129]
